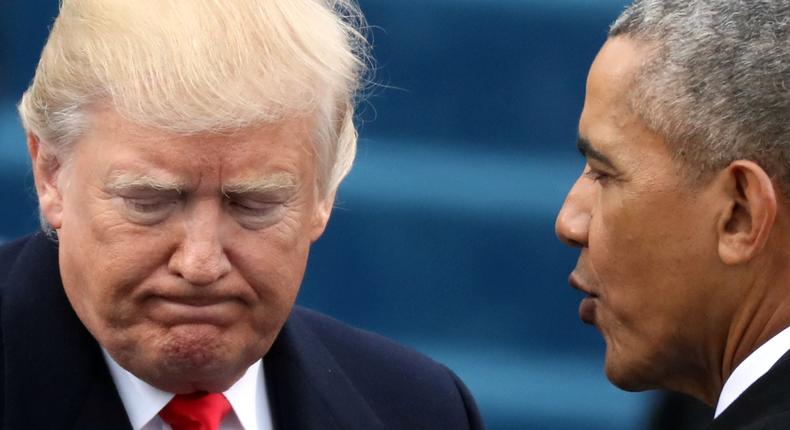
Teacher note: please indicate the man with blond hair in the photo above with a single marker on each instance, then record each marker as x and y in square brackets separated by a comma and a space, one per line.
[682, 213]
[186, 154]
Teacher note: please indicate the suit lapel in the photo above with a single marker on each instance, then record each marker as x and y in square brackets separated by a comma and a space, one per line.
[307, 388]
[103, 408]
[767, 396]
[59, 378]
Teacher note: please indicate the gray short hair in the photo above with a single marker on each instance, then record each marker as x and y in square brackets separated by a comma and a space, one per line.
[203, 66]
[717, 83]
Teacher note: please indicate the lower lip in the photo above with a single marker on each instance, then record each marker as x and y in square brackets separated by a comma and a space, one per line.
[587, 310]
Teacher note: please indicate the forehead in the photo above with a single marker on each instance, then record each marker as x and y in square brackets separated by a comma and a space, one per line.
[113, 145]
[611, 76]
[608, 116]
[618, 60]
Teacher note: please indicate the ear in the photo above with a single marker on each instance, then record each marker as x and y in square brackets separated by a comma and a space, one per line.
[46, 168]
[321, 216]
[746, 223]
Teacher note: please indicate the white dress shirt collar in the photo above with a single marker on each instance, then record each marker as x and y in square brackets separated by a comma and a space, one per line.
[143, 402]
[752, 368]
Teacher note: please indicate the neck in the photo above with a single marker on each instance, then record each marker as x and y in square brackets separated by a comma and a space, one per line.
[764, 313]
[751, 307]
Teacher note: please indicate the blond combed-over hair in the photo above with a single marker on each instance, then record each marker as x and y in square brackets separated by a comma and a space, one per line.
[203, 66]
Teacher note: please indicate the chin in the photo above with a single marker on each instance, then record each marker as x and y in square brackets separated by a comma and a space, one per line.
[193, 358]
[193, 346]
[628, 375]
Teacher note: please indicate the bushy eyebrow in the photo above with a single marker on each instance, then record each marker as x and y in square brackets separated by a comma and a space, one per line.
[128, 181]
[277, 183]
[585, 147]
[280, 182]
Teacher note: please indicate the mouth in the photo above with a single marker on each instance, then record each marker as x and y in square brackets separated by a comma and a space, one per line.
[589, 304]
[183, 310]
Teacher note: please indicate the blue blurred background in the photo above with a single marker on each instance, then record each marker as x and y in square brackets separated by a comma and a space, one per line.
[443, 236]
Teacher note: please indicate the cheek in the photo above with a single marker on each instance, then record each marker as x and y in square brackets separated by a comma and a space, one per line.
[646, 255]
[104, 261]
[273, 261]
[648, 231]
[627, 254]
[620, 247]
[274, 279]
[291, 236]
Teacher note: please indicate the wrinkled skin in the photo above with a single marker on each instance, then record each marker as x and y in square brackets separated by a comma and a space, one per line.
[183, 255]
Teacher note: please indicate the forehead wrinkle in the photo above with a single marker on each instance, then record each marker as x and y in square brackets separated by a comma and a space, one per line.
[273, 183]
[127, 180]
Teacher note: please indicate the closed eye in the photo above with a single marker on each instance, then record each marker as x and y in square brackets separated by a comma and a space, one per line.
[255, 214]
[147, 210]
[147, 205]
[253, 208]
[597, 176]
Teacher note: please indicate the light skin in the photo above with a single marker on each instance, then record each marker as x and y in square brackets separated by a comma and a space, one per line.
[183, 255]
[682, 279]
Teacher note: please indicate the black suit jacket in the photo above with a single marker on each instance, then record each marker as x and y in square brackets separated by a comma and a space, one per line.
[321, 374]
[765, 405]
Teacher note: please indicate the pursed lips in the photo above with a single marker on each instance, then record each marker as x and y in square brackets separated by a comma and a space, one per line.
[193, 309]
[194, 295]
[195, 300]
[589, 304]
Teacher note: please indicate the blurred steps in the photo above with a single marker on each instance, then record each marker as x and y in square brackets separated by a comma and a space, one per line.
[443, 233]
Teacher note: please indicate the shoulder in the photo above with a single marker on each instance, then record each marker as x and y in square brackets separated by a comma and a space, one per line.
[9, 255]
[25, 254]
[344, 340]
[395, 379]
[779, 421]
[765, 405]
[366, 349]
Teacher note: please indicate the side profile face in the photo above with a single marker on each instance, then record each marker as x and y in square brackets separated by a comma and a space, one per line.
[183, 255]
[648, 247]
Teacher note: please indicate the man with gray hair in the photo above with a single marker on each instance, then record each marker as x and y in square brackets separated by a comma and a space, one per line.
[186, 154]
[682, 213]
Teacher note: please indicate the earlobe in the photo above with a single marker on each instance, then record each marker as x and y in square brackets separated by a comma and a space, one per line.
[46, 168]
[750, 211]
[321, 217]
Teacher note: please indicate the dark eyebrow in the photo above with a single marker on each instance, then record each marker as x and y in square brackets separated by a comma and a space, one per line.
[585, 147]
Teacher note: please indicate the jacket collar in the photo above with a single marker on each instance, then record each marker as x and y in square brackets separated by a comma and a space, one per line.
[767, 396]
[59, 379]
[309, 390]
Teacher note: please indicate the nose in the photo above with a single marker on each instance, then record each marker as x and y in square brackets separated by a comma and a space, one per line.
[573, 220]
[200, 257]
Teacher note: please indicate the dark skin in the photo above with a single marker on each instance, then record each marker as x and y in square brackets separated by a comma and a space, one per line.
[684, 280]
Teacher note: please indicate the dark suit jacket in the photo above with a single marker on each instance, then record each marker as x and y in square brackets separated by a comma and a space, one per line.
[321, 374]
[765, 405]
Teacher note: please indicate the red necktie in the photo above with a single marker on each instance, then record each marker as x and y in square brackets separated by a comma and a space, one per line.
[196, 411]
